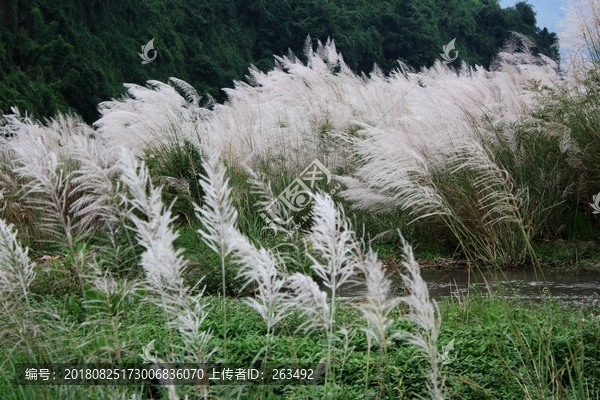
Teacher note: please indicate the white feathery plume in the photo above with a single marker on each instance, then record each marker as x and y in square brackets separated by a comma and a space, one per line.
[579, 35]
[376, 310]
[492, 182]
[16, 270]
[44, 159]
[279, 218]
[47, 187]
[263, 268]
[95, 182]
[332, 237]
[106, 283]
[257, 266]
[295, 112]
[218, 216]
[47, 158]
[311, 301]
[424, 313]
[378, 306]
[393, 174]
[151, 116]
[162, 263]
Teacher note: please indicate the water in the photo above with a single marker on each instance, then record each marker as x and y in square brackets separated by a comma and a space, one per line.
[524, 284]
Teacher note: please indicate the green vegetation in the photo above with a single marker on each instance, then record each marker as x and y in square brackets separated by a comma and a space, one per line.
[152, 225]
[71, 55]
[502, 350]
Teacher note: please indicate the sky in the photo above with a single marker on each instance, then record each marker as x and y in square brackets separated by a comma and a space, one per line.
[548, 12]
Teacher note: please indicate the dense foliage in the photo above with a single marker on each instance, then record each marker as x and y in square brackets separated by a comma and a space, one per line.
[118, 236]
[56, 56]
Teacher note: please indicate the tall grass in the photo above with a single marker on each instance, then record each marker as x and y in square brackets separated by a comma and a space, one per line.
[459, 147]
[580, 38]
[494, 159]
[336, 256]
[334, 250]
[17, 272]
[218, 218]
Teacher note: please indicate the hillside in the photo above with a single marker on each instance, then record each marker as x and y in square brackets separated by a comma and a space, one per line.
[71, 55]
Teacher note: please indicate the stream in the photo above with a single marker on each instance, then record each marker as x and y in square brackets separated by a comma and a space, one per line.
[523, 284]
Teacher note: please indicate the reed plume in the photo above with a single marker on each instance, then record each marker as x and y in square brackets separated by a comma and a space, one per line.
[425, 314]
[218, 218]
[16, 270]
[163, 264]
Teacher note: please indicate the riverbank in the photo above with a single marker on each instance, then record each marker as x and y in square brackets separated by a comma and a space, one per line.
[559, 256]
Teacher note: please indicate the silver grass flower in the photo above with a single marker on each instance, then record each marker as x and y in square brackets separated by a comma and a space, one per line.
[16, 270]
[297, 111]
[265, 270]
[259, 267]
[332, 237]
[95, 182]
[378, 306]
[217, 215]
[406, 182]
[491, 181]
[580, 37]
[47, 188]
[311, 301]
[151, 116]
[280, 218]
[424, 313]
[163, 264]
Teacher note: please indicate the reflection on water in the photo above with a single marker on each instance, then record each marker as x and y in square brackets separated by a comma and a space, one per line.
[526, 284]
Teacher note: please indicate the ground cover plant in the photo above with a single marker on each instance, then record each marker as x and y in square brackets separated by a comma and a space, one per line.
[170, 222]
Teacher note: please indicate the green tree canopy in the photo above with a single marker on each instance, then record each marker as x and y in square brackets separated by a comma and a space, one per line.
[73, 54]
